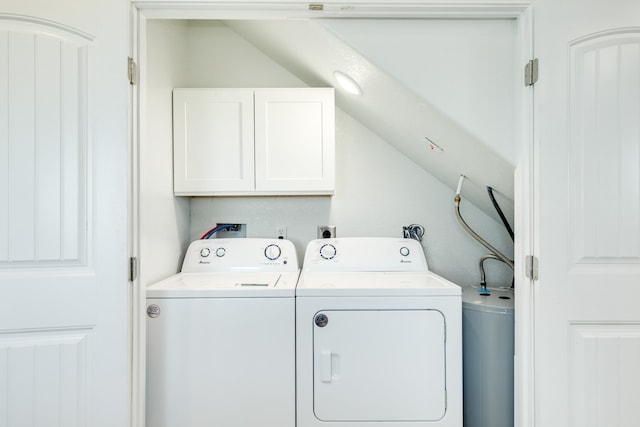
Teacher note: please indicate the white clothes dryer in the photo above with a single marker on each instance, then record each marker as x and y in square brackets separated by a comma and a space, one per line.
[221, 337]
[379, 337]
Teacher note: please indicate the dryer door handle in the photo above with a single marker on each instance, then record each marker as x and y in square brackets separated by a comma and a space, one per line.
[325, 366]
[329, 365]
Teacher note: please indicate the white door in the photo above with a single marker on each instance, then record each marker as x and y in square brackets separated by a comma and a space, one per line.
[63, 229]
[587, 312]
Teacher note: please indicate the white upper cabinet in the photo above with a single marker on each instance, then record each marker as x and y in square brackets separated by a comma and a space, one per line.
[295, 140]
[254, 141]
[212, 141]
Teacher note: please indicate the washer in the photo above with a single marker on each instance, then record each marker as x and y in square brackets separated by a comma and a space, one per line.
[379, 337]
[221, 337]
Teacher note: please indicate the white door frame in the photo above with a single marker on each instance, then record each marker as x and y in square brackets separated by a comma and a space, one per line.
[520, 10]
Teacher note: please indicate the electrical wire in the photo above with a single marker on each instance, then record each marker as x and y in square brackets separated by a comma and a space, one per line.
[215, 229]
[502, 217]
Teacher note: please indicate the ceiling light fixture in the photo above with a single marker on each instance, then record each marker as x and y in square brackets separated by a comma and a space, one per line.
[347, 83]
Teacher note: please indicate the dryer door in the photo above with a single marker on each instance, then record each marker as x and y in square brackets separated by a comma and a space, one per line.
[379, 365]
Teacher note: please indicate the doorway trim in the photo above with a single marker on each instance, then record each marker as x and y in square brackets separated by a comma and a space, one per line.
[519, 10]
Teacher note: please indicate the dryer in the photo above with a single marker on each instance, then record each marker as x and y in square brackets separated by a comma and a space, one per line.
[221, 337]
[378, 337]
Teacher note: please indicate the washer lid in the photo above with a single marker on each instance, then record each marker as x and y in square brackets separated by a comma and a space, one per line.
[225, 285]
[375, 284]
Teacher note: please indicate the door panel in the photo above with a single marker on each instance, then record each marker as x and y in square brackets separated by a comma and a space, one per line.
[44, 147]
[45, 377]
[588, 160]
[63, 193]
[603, 149]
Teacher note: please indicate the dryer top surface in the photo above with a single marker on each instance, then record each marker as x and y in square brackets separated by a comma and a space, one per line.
[375, 284]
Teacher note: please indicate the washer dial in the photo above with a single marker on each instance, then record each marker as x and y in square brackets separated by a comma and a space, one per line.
[404, 251]
[272, 252]
[205, 252]
[220, 252]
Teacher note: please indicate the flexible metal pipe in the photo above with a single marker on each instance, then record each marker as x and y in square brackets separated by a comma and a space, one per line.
[483, 278]
[475, 235]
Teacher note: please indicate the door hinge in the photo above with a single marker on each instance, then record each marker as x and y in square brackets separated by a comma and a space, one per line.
[132, 71]
[531, 266]
[133, 268]
[531, 72]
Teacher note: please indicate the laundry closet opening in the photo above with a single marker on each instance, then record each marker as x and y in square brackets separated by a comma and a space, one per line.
[438, 100]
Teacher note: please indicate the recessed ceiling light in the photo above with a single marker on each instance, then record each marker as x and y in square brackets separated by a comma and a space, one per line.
[347, 83]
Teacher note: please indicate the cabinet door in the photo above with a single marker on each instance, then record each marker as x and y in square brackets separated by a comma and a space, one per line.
[213, 140]
[295, 140]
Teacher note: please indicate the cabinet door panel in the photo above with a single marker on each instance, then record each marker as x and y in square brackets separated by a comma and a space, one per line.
[295, 140]
[213, 140]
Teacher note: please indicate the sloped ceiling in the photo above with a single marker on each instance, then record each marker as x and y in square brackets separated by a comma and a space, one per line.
[390, 109]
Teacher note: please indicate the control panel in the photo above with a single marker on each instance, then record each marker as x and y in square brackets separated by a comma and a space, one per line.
[365, 254]
[249, 254]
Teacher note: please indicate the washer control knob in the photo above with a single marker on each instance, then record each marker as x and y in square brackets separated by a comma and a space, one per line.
[321, 320]
[272, 252]
[205, 252]
[328, 251]
[404, 251]
[220, 252]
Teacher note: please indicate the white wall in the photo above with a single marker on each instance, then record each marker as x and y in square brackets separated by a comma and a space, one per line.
[462, 67]
[378, 189]
[219, 57]
[164, 219]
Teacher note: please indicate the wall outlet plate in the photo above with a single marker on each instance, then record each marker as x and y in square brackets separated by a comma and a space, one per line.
[326, 231]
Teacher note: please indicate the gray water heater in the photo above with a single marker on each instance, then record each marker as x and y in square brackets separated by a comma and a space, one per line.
[488, 340]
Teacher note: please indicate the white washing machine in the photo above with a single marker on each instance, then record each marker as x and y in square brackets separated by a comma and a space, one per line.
[221, 337]
[379, 337]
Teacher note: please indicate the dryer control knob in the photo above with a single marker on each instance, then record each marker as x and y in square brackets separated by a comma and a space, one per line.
[328, 251]
[404, 251]
[220, 252]
[272, 252]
